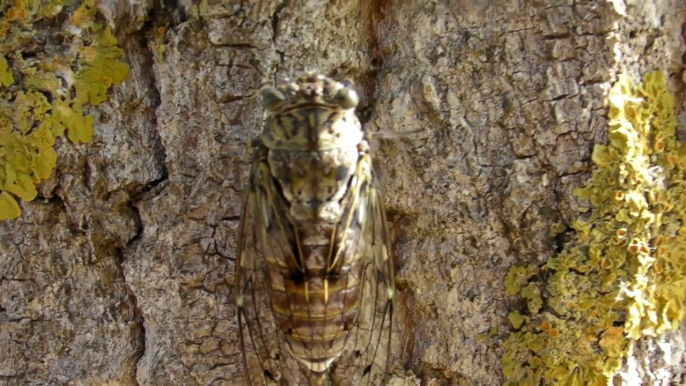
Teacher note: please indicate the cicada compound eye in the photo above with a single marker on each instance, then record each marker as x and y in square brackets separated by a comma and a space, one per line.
[272, 99]
[346, 98]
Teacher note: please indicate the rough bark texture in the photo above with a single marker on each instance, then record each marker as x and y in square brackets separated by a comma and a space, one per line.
[123, 274]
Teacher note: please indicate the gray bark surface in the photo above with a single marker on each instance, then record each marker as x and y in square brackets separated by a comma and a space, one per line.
[486, 113]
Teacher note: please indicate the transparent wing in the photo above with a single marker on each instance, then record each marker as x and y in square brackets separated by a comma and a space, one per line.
[367, 356]
[262, 233]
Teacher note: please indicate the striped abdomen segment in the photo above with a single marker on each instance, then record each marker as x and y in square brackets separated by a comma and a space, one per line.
[316, 311]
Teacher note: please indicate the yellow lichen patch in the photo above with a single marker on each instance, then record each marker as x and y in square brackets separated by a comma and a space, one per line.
[70, 117]
[516, 319]
[8, 205]
[100, 69]
[83, 16]
[6, 76]
[623, 275]
[50, 93]
[158, 45]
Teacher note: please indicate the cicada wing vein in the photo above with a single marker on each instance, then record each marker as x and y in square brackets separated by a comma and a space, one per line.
[261, 235]
[367, 357]
[384, 273]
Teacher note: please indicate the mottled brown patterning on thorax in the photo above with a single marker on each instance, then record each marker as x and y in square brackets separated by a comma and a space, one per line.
[312, 224]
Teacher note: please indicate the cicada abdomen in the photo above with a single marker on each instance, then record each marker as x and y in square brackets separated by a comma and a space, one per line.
[314, 279]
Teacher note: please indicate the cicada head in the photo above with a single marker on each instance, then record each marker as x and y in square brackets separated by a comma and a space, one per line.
[310, 89]
[312, 112]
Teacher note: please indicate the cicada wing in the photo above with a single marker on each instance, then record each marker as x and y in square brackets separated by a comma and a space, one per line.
[367, 357]
[252, 300]
[379, 290]
[261, 235]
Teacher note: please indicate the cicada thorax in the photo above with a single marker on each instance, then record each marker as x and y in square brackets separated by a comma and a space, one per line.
[313, 152]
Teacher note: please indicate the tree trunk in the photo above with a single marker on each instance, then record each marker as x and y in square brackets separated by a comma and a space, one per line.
[483, 118]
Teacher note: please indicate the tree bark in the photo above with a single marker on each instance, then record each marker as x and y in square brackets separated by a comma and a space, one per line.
[483, 116]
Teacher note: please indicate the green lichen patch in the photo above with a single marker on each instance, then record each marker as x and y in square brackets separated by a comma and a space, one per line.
[43, 94]
[623, 276]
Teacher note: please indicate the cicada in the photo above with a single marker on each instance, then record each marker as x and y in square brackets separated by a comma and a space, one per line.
[314, 276]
